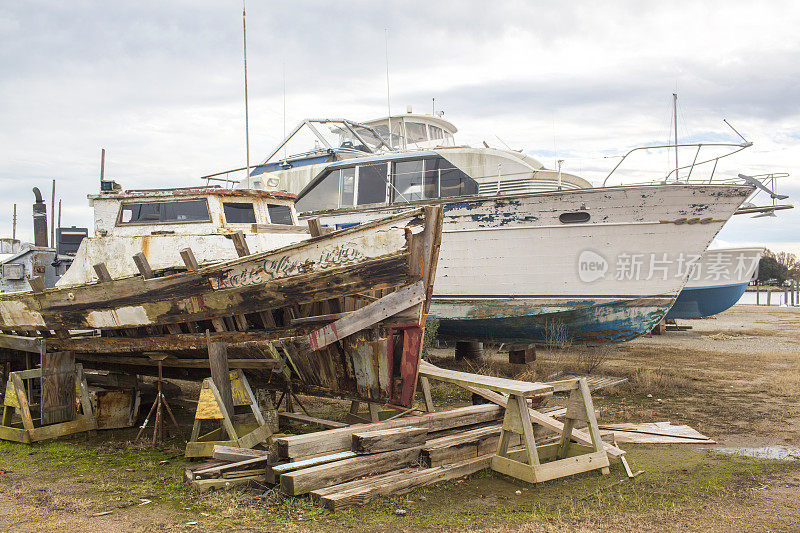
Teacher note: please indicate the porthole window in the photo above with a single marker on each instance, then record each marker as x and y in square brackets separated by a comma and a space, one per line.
[575, 217]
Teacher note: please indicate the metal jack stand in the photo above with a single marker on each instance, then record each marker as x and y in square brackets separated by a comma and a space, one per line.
[160, 401]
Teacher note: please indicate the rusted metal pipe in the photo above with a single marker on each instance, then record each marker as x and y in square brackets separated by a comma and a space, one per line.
[39, 220]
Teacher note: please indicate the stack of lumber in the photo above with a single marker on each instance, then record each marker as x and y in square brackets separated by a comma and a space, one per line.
[352, 465]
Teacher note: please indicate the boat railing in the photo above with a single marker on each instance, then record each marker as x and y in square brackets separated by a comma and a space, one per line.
[673, 174]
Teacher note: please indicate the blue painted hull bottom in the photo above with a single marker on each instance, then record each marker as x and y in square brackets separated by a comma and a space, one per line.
[706, 301]
[587, 322]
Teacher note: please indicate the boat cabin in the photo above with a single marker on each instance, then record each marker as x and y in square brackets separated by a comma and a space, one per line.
[192, 210]
[393, 179]
[161, 222]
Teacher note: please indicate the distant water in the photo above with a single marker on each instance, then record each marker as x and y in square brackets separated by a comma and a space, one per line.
[776, 299]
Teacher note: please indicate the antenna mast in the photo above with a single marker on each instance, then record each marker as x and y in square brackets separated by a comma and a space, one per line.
[246, 110]
[14, 223]
[675, 121]
[388, 102]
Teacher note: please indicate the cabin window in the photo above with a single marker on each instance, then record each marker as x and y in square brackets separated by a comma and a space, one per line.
[164, 212]
[324, 195]
[280, 214]
[452, 181]
[436, 133]
[574, 218]
[372, 184]
[347, 187]
[414, 180]
[415, 132]
[239, 213]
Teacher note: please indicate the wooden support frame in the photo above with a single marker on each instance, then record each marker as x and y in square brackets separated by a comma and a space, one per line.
[17, 399]
[211, 406]
[533, 463]
[565, 458]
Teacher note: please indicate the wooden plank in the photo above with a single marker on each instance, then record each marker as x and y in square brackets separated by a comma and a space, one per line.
[58, 387]
[462, 446]
[22, 401]
[232, 453]
[204, 485]
[297, 417]
[547, 421]
[314, 461]
[384, 440]
[238, 465]
[318, 318]
[368, 315]
[317, 477]
[160, 343]
[506, 386]
[396, 483]
[335, 440]
[220, 372]
[173, 362]
[23, 344]
[277, 228]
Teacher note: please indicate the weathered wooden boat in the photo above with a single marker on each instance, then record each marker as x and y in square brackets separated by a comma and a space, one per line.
[339, 314]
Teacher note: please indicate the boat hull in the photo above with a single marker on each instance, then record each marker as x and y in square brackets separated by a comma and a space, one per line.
[717, 282]
[706, 301]
[608, 263]
[589, 321]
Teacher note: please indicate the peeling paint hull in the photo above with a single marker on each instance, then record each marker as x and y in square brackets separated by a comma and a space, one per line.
[587, 321]
[509, 263]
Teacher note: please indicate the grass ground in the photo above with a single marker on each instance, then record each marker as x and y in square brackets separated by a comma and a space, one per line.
[717, 377]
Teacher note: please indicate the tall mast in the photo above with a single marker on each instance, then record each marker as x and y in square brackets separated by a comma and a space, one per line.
[675, 122]
[246, 110]
[388, 101]
[14, 223]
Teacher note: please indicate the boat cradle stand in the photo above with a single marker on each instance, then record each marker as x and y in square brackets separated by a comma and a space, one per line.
[211, 406]
[533, 463]
[62, 380]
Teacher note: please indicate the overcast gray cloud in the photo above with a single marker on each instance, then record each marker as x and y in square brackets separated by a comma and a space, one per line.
[159, 84]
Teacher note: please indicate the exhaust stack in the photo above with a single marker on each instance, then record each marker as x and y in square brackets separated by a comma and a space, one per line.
[39, 220]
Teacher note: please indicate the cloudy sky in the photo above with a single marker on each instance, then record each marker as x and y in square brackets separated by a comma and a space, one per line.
[159, 85]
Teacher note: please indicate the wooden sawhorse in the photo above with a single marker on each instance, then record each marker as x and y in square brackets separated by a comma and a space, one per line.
[210, 406]
[534, 463]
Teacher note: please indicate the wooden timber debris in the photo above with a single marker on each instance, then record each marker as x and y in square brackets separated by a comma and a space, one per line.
[385, 440]
[656, 433]
[347, 466]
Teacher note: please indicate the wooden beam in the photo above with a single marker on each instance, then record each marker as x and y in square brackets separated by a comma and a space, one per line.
[188, 259]
[36, 283]
[220, 372]
[503, 385]
[297, 417]
[336, 440]
[23, 344]
[232, 453]
[240, 244]
[320, 476]
[315, 227]
[174, 362]
[143, 266]
[384, 440]
[102, 272]
[370, 314]
[394, 483]
[238, 465]
[318, 318]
